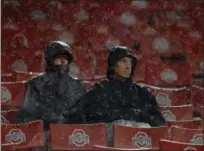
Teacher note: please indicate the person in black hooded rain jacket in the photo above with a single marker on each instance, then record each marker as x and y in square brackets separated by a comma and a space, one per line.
[118, 96]
[50, 95]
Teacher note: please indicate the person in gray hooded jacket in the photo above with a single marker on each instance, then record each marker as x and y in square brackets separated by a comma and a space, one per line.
[49, 96]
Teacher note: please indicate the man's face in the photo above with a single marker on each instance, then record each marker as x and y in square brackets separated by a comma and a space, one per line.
[60, 60]
[124, 67]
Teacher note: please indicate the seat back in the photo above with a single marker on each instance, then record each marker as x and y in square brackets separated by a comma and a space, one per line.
[197, 97]
[12, 94]
[25, 76]
[170, 96]
[192, 136]
[97, 147]
[131, 137]
[9, 116]
[30, 135]
[173, 113]
[167, 73]
[192, 124]
[77, 136]
[166, 145]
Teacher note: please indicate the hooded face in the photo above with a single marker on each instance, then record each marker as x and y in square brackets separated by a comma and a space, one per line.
[121, 63]
[123, 67]
[58, 57]
[60, 60]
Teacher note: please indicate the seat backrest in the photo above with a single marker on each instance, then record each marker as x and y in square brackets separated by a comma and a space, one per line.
[192, 136]
[97, 147]
[192, 124]
[170, 96]
[30, 135]
[9, 77]
[173, 113]
[77, 136]
[131, 137]
[25, 76]
[166, 145]
[167, 73]
[14, 147]
[197, 97]
[9, 116]
[12, 95]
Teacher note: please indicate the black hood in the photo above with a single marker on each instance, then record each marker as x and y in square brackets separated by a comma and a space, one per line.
[56, 48]
[117, 53]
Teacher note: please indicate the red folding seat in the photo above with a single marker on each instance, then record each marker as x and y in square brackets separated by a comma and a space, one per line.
[192, 136]
[12, 94]
[77, 136]
[9, 77]
[25, 76]
[166, 145]
[161, 73]
[170, 96]
[130, 137]
[97, 147]
[194, 51]
[29, 135]
[14, 147]
[197, 97]
[9, 116]
[192, 124]
[173, 113]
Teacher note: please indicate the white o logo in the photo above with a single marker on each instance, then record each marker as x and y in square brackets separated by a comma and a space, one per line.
[163, 99]
[79, 138]
[169, 76]
[168, 115]
[15, 136]
[141, 140]
[5, 94]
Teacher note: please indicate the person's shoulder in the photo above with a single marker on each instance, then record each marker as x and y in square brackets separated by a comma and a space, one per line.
[141, 87]
[74, 79]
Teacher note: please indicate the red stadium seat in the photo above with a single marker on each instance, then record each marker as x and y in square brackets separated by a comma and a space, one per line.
[170, 96]
[192, 124]
[97, 147]
[130, 137]
[161, 73]
[9, 116]
[9, 77]
[77, 137]
[166, 145]
[192, 136]
[25, 76]
[197, 97]
[12, 94]
[29, 135]
[173, 113]
[14, 147]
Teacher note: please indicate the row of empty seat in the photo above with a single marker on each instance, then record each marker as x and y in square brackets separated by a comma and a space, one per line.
[84, 136]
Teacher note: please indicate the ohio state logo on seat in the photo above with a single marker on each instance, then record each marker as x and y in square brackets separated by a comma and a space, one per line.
[190, 149]
[163, 99]
[168, 115]
[79, 138]
[5, 94]
[197, 139]
[141, 140]
[15, 136]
